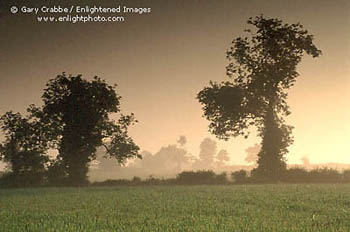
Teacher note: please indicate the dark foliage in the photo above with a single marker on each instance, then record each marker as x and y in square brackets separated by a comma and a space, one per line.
[297, 175]
[184, 178]
[346, 176]
[22, 180]
[57, 174]
[201, 177]
[240, 177]
[324, 175]
[136, 181]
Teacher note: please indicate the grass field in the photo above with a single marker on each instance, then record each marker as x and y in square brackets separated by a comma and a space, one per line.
[177, 208]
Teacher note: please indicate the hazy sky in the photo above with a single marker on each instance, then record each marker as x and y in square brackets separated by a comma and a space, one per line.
[161, 60]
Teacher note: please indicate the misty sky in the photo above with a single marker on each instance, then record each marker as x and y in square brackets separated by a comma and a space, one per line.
[161, 60]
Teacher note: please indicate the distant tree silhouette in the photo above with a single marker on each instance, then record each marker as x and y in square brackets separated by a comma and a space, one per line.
[182, 140]
[222, 158]
[262, 68]
[306, 162]
[166, 162]
[208, 148]
[169, 159]
[107, 164]
[77, 112]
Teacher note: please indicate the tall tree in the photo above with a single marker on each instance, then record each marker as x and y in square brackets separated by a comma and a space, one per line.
[78, 113]
[262, 68]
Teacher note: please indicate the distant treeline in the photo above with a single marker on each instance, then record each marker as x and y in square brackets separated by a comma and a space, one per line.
[208, 177]
[203, 177]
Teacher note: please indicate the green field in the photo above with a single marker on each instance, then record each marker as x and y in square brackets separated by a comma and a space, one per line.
[177, 208]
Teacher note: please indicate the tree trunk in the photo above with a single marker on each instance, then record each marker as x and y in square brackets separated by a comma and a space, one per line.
[75, 158]
[271, 164]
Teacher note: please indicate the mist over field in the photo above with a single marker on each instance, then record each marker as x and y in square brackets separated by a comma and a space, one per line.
[170, 160]
[174, 158]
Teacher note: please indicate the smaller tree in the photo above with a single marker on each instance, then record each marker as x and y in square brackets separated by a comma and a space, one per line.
[24, 148]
